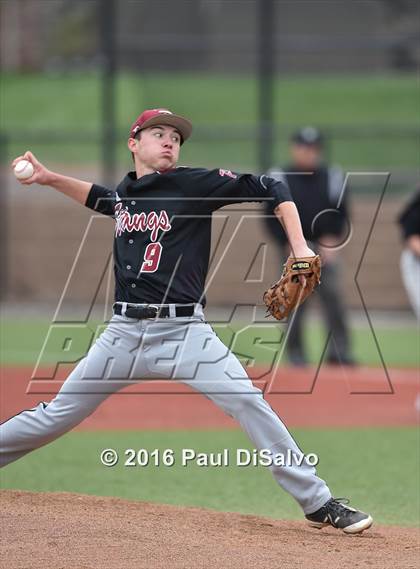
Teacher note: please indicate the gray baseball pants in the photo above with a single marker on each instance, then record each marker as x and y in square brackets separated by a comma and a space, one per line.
[181, 349]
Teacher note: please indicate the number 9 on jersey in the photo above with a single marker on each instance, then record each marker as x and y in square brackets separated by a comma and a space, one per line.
[151, 259]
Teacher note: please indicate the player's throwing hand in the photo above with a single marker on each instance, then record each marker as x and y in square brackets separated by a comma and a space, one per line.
[41, 174]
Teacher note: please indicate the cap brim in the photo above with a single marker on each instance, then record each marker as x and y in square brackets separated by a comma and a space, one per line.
[182, 124]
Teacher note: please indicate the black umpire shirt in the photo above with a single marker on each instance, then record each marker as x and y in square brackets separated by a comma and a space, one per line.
[315, 194]
[163, 228]
[409, 219]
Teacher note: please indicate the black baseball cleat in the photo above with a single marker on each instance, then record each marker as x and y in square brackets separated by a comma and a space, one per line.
[336, 513]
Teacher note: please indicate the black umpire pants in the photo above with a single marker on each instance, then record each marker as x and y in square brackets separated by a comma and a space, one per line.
[334, 314]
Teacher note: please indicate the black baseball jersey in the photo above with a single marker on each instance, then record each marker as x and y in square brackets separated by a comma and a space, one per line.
[313, 193]
[163, 228]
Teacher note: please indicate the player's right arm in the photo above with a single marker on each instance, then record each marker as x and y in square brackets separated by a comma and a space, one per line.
[90, 195]
[71, 187]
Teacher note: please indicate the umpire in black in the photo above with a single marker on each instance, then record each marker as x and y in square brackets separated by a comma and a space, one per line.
[316, 189]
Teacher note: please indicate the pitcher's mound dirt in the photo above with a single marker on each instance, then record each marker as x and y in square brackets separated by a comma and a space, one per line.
[73, 531]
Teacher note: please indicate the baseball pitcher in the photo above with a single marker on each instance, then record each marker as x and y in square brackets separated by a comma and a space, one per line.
[162, 216]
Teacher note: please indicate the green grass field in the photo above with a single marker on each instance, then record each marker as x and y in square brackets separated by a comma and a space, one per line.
[377, 468]
[70, 104]
[21, 342]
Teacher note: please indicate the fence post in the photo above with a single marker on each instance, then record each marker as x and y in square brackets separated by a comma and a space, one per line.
[4, 239]
[265, 138]
[107, 14]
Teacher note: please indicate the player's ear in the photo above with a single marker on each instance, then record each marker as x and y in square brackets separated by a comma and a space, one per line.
[132, 144]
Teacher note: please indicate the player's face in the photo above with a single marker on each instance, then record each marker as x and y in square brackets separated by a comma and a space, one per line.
[158, 147]
[305, 156]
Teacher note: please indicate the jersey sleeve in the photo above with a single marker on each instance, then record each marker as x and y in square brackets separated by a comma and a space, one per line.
[218, 188]
[102, 200]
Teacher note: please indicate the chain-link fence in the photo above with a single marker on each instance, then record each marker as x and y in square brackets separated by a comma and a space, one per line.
[75, 75]
[247, 73]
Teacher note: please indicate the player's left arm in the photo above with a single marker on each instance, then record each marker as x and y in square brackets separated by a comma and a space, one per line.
[287, 214]
[284, 209]
[224, 187]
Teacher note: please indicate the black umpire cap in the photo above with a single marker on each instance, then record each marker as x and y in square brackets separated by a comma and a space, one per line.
[308, 135]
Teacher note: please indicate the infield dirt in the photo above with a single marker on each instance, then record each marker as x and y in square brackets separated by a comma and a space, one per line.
[73, 531]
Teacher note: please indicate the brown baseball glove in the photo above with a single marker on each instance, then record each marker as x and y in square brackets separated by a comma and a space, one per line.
[300, 277]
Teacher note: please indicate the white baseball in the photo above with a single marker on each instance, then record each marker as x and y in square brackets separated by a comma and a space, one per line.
[23, 170]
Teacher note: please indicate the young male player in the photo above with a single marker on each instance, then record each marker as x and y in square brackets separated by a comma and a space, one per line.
[161, 252]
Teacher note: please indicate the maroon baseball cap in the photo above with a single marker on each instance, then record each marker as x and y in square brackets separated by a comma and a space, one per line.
[153, 117]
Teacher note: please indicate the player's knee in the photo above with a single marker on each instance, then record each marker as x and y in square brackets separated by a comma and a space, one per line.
[61, 413]
[243, 402]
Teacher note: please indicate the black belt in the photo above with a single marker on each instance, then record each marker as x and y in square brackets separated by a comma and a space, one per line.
[151, 310]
